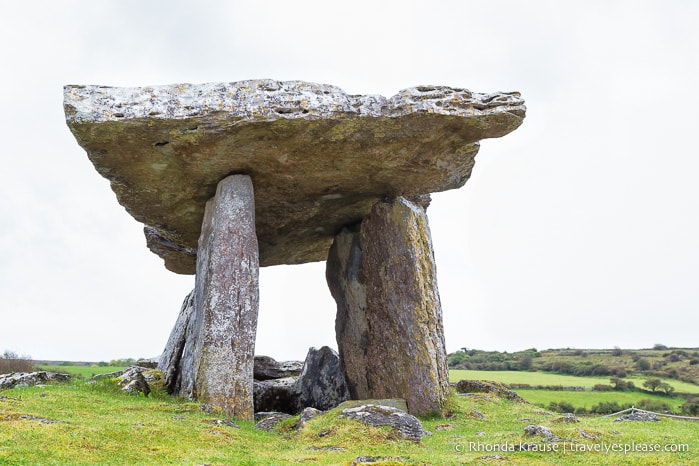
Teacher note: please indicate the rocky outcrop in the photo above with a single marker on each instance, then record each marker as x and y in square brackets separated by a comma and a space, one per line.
[217, 362]
[267, 368]
[389, 321]
[30, 378]
[487, 386]
[319, 159]
[321, 384]
[409, 427]
[134, 382]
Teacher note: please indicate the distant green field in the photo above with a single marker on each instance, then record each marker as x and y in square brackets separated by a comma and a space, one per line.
[544, 378]
[588, 399]
[82, 371]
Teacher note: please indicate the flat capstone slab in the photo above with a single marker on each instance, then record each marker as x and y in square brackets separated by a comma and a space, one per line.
[319, 159]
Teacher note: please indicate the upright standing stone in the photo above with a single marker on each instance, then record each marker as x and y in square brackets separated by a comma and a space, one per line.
[346, 282]
[219, 358]
[174, 356]
[396, 306]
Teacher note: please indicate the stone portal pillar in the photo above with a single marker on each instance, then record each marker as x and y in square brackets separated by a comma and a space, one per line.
[389, 323]
[217, 359]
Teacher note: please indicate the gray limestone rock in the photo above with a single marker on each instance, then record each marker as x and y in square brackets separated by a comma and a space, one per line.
[171, 359]
[319, 159]
[133, 381]
[267, 368]
[321, 384]
[408, 426]
[30, 378]
[392, 402]
[217, 362]
[306, 415]
[271, 420]
[275, 395]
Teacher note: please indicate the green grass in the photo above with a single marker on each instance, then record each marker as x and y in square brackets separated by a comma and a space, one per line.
[81, 371]
[545, 378]
[102, 425]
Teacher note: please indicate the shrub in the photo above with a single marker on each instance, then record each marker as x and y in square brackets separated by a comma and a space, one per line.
[13, 362]
[652, 384]
[642, 364]
[608, 407]
[561, 407]
[655, 405]
[602, 388]
[691, 406]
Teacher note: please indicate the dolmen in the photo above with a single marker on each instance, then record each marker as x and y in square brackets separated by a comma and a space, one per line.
[230, 177]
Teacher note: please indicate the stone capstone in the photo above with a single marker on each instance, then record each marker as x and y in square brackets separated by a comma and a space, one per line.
[217, 362]
[319, 158]
[389, 318]
[321, 384]
[409, 427]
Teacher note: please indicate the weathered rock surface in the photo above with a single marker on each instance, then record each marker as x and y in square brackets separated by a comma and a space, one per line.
[392, 402]
[319, 159]
[270, 421]
[321, 384]
[389, 321]
[345, 277]
[31, 378]
[217, 363]
[171, 359]
[133, 381]
[267, 368]
[275, 395]
[408, 426]
[306, 415]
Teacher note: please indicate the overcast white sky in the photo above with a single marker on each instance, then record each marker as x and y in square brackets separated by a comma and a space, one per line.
[580, 229]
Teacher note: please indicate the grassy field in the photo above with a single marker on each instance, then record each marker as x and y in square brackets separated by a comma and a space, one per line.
[544, 378]
[99, 424]
[81, 371]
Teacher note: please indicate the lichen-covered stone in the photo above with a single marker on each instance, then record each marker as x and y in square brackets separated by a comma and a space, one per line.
[319, 158]
[390, 331]
[345, 279]
[409, 427]
[217, 362]
[171, 359]
[321, 384]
